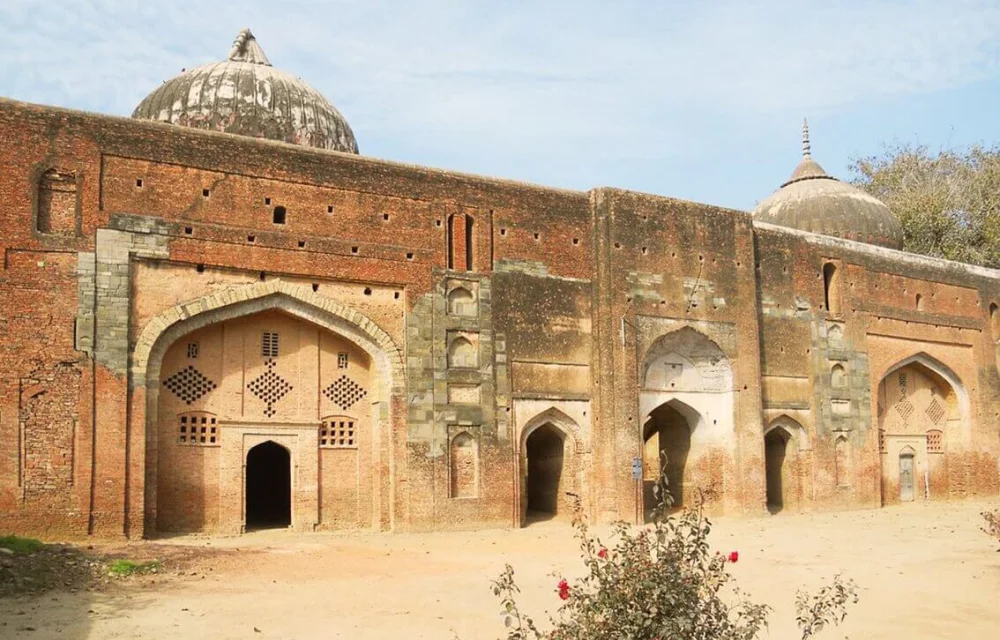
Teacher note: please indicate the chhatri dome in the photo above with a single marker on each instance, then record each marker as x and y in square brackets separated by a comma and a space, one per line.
[813, 201]
[246, 96]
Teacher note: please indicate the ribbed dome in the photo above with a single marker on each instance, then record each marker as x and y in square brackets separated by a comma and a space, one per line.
[246, 96]
[813, 201]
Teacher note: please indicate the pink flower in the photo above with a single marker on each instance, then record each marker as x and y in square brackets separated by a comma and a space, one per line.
[603, 553]
[563, 589]
[734, 556]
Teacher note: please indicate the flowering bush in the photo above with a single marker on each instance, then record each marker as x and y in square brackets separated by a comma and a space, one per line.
[659, 583]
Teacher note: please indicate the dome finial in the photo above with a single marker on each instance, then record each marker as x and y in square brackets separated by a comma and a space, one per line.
[246, 49]
[806, 147]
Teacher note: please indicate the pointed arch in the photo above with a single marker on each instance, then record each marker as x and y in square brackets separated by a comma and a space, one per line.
[549, 461]
[464, 465]
[162, 331]
[686, 359]
[941, 370]
[461, 302]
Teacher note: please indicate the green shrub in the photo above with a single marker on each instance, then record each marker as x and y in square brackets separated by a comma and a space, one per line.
[125, 568]
[21, 545]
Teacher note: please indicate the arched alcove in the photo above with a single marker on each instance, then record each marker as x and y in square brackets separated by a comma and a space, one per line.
[461, 302]
[921, 406]
[162, 351]
[844, 461]
[838, 376]
[462, 354]
[464, 466]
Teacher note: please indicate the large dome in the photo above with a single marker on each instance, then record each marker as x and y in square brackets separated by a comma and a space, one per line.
[246, 96]
[813, 201]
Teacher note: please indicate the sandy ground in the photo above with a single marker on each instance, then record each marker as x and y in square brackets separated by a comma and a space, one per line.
[924, 572]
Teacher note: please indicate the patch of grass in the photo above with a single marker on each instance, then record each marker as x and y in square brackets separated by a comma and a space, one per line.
[124, 568]
[21, 545]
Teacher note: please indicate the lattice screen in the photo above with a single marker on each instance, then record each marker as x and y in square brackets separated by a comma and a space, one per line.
[269, 387]
[337, 433]
[198, 430]
[189, 384]
[344, 392]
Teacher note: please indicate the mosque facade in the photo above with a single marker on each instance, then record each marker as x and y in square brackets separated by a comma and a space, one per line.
[217, 315]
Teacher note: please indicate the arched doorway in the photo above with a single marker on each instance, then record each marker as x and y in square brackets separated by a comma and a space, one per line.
[666, 445]
[922, 411]
[775, 451]
[544, 450]
[268, 487]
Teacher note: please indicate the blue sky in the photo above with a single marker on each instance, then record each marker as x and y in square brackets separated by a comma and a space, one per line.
[696, 100]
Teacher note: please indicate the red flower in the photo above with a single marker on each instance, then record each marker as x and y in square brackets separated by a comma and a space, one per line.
[734, 556]
[603, 553]
[563, 589]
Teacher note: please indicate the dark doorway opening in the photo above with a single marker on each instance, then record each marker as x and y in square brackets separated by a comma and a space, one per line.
[775, 450]
[269, 487]
[667, 443]
[544, 450]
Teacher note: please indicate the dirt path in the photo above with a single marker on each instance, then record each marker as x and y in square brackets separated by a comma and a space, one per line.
[924, 572]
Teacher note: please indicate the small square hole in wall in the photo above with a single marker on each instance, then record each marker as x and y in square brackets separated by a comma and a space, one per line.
[385, 216]
[329, 208]
[138, 183]
[437, 223]
[368, 291]
[537, 236]
[302, 244]
[267, 201]
[205, 193]
[251, 238]
[279, 215]
[354, 250]
[409, 256]
[395, 295]
[263, 275]
[200, 268]
[503, 231]
[188, 230]
[576, 241]
[644, 251]
[315, 287]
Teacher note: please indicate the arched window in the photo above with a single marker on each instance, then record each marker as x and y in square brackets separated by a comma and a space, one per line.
[461, 302]
[462, 354]
[919, 302]
[838, 377]
[464, 466]
[831, 288]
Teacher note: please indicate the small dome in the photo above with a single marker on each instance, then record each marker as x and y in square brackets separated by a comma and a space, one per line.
[246, 96]
[813, 201]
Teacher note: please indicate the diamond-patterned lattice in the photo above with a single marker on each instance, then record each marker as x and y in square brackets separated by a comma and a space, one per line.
[344, 392]
[905, 408]
[189, 384]
[935, 411]
[269, 387]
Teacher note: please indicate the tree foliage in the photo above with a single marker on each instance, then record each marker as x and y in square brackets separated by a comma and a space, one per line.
[948, 203]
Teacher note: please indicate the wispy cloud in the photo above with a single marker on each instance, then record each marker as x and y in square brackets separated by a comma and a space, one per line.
[503, 84]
